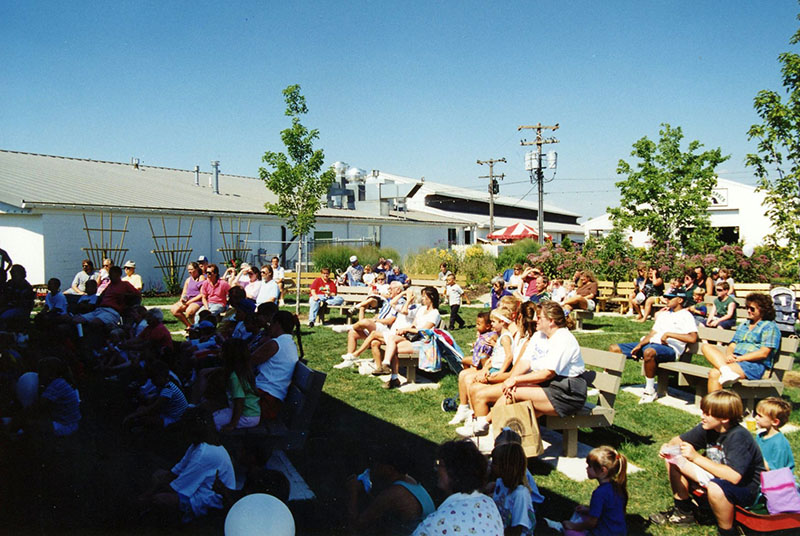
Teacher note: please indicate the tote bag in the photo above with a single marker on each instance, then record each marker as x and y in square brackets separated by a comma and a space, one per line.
[779, 488]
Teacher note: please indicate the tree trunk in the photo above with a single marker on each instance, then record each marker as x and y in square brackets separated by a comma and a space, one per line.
[299, 273]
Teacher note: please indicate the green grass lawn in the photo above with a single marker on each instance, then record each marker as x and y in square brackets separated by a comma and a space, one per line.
[356, 419]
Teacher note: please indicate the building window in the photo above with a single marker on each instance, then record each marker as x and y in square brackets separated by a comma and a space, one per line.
[452, 237]
[321, 236]
[468, 236]
[728, 235]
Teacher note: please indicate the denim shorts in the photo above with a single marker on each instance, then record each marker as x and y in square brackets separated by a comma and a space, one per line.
[753, 370]
[664, 353]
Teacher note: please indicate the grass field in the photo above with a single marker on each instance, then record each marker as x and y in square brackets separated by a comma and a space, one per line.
[356, 418]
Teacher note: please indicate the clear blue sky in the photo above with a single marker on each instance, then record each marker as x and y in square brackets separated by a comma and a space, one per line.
[416, 88]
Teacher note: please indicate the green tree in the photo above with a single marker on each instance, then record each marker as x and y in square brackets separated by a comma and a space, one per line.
[616, 256]
[297, 179]
[777, 164]
[669, 192]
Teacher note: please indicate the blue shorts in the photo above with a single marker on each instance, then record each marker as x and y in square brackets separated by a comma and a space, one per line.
[753, 370]
[664, 353]
[739, 495]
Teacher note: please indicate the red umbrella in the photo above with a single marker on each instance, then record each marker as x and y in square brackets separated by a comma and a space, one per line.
[518, 231]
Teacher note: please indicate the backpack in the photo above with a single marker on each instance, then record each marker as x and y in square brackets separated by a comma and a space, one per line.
[785, 304]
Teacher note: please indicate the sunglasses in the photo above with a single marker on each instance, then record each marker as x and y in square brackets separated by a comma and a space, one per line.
[752, 309]
[211, 272]
[264, 271]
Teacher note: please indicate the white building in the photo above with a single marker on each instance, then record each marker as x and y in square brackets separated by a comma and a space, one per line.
[736, 209]
[442, 200]
[48, 202]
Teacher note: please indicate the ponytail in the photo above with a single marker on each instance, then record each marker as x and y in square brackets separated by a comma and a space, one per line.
[616, 464]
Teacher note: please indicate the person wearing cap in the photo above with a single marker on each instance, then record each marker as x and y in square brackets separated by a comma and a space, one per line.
[131, 276]
[202, 260]
[354, 273]
[673, 329]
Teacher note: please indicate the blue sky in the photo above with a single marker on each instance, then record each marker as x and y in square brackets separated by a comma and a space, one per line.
[413, 88]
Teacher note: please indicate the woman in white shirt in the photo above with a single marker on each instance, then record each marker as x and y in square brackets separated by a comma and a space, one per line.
[555, 383]
[426, 317]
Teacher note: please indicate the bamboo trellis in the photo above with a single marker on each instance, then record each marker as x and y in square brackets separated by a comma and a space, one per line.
[104, 248]
[234, 246]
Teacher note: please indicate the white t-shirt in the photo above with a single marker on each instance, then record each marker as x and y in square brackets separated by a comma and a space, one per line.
[454, 293]
[669, 321]
[278, 273]
[558, 294]
[369, 278]
[269, 291]
[275, 375]
[196, 473]
[252, 289]
[563, 355]
[535, 352]
[422, 318]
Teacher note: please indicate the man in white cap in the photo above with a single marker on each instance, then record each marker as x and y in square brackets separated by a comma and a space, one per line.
[202, 260]
[131, 276]
[354, 273]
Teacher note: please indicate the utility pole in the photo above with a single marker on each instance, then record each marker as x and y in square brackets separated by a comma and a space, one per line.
[494, 187]
[534, 164]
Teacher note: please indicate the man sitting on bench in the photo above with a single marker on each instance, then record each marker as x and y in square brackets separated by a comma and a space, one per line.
[673, 329]
[381, 322]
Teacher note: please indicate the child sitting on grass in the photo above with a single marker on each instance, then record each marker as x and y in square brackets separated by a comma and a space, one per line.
[167, 408]
[481, 352]
[771, 414]
[730, 469]
[605, 515]
[511, 493]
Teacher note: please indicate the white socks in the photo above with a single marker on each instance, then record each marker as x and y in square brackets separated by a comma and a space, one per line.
[649, 385]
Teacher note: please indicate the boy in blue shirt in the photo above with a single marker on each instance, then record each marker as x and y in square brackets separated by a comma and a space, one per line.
[771, 414]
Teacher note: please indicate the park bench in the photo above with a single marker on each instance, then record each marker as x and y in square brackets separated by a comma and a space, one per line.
[606, 296]
[741, 290]
[607, 381]
[290, 430]
[579, 315]
[696, 376]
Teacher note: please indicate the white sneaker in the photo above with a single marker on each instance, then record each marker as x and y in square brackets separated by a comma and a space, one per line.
[348, 357]
[727, 376]
[473, 429]
[648, 397]
[347, 363]
[461, 416]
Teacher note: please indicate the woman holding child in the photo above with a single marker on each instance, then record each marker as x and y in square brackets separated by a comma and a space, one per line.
[755, 344]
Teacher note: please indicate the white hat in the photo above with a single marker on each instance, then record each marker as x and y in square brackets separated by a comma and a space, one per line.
[390, 261]
[353, 258]
[130, 264]
[202, 258]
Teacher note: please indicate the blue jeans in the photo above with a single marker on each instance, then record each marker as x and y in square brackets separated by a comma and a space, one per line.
[314, 305]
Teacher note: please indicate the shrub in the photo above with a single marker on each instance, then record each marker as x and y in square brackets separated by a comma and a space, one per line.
[477, 265]
[427, 261]
[338, 257]
[516, 253]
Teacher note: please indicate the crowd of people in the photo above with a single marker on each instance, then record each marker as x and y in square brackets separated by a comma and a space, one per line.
[232, 372]
[234, 369]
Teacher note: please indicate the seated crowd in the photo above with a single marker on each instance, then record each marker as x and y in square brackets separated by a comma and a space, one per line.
[234, 369]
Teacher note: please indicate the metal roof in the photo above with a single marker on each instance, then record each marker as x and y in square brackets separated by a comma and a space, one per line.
[29, 180]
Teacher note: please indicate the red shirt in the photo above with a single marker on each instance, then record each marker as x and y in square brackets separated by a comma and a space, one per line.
[115, 295]
[318, 286]
[159, 335]
[215, 293]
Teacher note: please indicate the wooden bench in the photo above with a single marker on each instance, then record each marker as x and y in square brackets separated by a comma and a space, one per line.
[290, 430]
[741, 290]
[690, 374]
[579, 315]
[607, 381]
[607, 296]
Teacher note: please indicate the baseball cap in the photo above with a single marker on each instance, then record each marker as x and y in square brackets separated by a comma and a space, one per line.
[130, 264]
[678, 293]
[353, 258]
[202, 258]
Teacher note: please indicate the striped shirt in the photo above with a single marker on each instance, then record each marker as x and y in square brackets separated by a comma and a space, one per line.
[388, 311]
[65, 400]
[175, 401]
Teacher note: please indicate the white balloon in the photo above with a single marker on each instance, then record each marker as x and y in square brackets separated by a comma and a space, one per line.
[748, 249]
[257, 514]
[28, 389]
